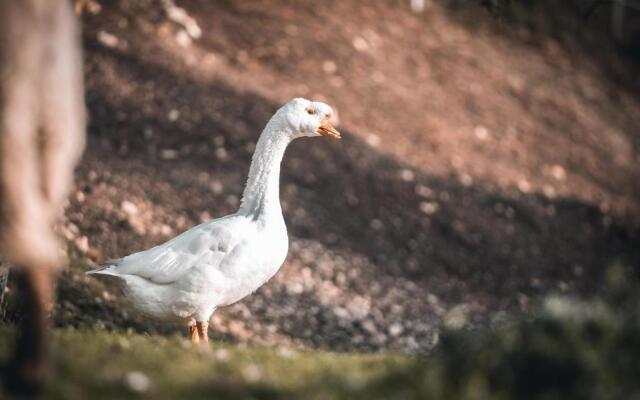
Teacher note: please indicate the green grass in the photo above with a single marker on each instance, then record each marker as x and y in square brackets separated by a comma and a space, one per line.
[97, 365]
[570, 349]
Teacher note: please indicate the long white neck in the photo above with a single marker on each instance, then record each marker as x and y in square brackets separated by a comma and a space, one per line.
[261, 196]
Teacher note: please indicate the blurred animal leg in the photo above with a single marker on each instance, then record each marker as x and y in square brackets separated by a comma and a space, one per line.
[41, 137]
[29, 366]
[62, 109]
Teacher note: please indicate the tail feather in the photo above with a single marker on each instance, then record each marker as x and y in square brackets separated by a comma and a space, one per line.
[105, 269]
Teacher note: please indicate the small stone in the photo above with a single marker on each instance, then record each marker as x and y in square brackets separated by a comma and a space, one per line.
[216, 187]
[169, 154]
[173, 115]
[376, 224]
[558, 172]
[137, 381]
[466, 180]
[222, 354]
[329, 67]
[481, 133]
[370, 326]
[129, 208]
[456, 318]
[395, 329]
[373, 140]
[407, 175]
[180, 16]
[418, 6]
[183, 38]
[424, 191]
[549, 191]
[295, 288]
[82, 244]
[107, 39]
[93, 7]
[524, 186]
[429, 207]
[252, 372]
[360, 44]
[166, 230]
[221, 153]
[341, 312]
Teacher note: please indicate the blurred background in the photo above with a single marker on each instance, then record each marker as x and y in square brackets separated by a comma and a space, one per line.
[490, 158]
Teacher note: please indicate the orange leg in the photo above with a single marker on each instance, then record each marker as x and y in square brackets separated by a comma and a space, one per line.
[203, 331]
[193, 331]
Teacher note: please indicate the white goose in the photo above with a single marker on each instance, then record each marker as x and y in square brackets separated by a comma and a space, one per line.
[221, 261]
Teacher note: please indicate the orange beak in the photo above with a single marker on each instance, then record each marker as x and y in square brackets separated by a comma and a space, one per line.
[326, 129]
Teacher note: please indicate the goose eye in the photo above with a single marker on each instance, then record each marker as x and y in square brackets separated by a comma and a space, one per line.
[310, 111]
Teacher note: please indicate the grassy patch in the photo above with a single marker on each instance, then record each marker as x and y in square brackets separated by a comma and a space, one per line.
[571, 349]
[100, 365]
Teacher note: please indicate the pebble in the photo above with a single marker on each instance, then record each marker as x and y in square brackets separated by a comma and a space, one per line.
[360, 44]
[129, 208]
[252, 372]
[558, 172]
[329, 67]
[107, 39]
[373, 140]
[137, 381]
[429, 207]
[216, 187]
[423, 191]
[173, 115]
[524, 186]
[82, 244]
[221, 354]
[466, 180]
[407, 175]
[168, 154]
[183, 38]
[395, 329]
[166, 230]
[481, 133]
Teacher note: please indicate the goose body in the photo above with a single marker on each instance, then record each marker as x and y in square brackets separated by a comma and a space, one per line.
[223, 260]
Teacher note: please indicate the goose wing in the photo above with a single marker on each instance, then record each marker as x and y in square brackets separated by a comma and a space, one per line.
[206, 244]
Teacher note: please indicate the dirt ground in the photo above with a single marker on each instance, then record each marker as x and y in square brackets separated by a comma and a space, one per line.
[482, 167]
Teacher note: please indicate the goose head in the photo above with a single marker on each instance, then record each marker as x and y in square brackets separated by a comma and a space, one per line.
[307, 118]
